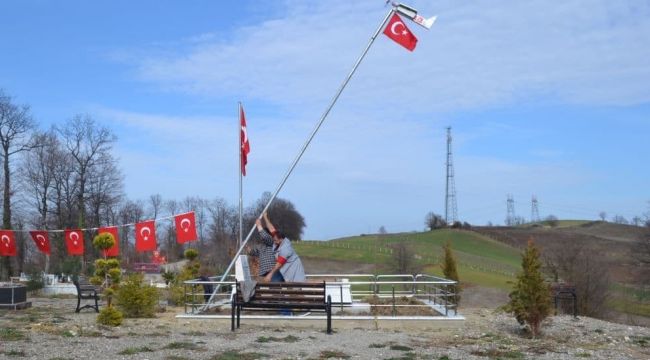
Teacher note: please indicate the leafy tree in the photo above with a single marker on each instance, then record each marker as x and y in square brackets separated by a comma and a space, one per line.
[282, 213]
[530, 300]
[434, 221]
[450, 272]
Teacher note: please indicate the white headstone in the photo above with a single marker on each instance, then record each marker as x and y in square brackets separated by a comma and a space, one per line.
[242, 271]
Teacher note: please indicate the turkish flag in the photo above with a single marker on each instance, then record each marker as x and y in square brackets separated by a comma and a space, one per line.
[114, 250]
[145, 236]
[74, 241]
[185, 227]
[243, 140]
[42, 240]
[397, 30]
[7, 243]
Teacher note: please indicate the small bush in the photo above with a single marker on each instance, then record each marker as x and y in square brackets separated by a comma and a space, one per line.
[103, 241]
[35, 281]
[191, 254]
[135, 299]
[110, 316]
[530, 300]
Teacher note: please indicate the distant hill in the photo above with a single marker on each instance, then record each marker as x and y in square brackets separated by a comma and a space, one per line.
[481, 260]
[490, 257]
[611, 242]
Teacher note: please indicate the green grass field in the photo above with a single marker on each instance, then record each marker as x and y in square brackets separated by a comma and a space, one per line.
[481, 260]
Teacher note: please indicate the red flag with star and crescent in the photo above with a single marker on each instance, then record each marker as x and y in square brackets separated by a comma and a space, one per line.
[7, 243]
[397, 30]
[145, 236]
[185, 227]
[114, 250]
[42, 240]
[74, 241]
[243, 139]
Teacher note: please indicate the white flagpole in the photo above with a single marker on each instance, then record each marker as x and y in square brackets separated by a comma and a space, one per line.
[239, 239]
[304, 147]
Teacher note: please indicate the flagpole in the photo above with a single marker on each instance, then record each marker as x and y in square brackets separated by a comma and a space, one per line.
[304, 147]
[239, 239]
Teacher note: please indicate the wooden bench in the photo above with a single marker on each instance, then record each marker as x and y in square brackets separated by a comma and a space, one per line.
[287, 295]
[86, 291]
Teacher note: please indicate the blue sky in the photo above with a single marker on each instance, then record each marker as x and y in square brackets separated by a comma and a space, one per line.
[550, 99]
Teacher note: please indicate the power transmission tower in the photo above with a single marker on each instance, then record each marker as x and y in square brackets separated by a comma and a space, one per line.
[510, 217]
[534, 210]
[451, 210]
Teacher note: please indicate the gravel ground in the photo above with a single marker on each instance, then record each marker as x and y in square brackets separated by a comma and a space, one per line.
[51, 330]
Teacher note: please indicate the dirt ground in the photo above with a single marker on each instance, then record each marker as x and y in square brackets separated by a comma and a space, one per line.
[52, 330]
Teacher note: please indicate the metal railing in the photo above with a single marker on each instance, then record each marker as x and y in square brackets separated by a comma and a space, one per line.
[365, 291]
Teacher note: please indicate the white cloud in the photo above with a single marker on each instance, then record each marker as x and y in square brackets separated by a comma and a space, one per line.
[478, 54]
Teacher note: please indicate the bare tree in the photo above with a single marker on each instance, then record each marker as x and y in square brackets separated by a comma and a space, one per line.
[130, 212]
[434, 221]
[38, 176]
[155, 203]
[16, 127]
[403, 259]
[87, 143]
[572, 263]
[104, 189]
[619, 219]
[221, 232]
[602, 215]
[174, 250]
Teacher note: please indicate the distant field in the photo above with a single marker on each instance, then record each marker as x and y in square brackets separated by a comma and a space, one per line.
[490, 256]
[481, 260]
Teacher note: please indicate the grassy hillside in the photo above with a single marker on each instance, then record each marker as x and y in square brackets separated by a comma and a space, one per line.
[481, 260]
[490, 256]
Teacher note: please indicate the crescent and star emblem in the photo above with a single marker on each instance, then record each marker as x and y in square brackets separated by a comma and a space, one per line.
[188, 222]
[6, 240]
[393, 28]
[41, 239]
[74, 237]
[145, 230]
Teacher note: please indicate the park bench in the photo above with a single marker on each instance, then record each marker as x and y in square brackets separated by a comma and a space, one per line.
[286, 295]
[86, 291]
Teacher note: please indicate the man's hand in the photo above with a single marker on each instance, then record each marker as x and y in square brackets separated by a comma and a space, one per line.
[258, 223]
[267, 278]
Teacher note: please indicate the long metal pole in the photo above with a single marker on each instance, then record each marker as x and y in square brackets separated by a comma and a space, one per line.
[241, 226]
[304, 147]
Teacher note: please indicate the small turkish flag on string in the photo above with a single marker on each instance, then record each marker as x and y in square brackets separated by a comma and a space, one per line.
[74, 241]
[397, 30]
[145, 236]
[114, 250]
[243, 140]
[185, 227]
[42, 240]
[7, 243]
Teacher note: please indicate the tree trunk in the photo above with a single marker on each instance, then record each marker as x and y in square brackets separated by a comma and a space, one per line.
[82, 215]
[6, 207]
